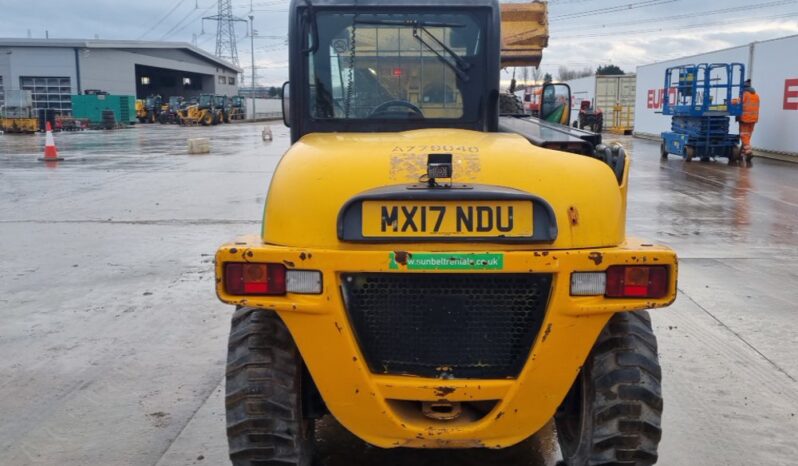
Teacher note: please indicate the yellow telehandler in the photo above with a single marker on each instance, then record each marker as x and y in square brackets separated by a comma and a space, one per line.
[431, 273]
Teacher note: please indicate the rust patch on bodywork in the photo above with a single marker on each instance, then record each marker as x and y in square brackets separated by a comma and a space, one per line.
[401, 257]
[546, 333]
[573, 216]
[444, 391]
[596, 257]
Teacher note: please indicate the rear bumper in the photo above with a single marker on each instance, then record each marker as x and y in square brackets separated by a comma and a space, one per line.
[378, 409]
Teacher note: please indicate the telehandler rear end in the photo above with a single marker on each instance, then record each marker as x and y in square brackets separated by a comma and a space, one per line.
[429, 273]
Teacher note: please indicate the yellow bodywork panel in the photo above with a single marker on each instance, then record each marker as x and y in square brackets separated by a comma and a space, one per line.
[321, 172]
[373, 406]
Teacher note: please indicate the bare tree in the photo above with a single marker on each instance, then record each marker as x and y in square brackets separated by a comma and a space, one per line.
[536, 75]
[567, 74]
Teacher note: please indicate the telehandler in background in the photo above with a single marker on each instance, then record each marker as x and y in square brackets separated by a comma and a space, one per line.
[433, 274]
[204, 112]
[147, 110]
[171, 110]
[220, 103]
[236, 110]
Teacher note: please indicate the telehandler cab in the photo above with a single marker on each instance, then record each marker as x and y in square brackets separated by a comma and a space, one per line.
[429, 273]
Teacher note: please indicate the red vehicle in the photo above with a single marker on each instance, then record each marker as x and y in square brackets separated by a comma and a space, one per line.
[532, 99]
[590, 117]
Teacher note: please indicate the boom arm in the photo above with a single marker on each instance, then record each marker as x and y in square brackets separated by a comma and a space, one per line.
[525, 33]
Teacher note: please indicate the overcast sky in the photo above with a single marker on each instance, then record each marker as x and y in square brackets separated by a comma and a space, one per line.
[584, 33]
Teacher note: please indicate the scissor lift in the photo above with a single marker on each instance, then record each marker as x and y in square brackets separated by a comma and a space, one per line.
[700, 103]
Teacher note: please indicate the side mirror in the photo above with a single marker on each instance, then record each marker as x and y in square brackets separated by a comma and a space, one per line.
[286, 96]
[556, 104]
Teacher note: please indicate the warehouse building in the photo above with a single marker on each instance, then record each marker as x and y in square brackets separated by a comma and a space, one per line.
[55, 69]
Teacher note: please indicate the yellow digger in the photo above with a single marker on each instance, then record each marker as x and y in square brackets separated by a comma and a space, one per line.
[429, 272]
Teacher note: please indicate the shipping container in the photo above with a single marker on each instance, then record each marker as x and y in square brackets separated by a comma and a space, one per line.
[773, 67]
[605, 93]
[91, 107]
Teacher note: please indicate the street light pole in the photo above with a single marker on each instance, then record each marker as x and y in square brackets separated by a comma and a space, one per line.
[252, 41]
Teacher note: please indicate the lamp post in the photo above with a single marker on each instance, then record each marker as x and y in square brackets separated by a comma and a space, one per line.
[252, 41]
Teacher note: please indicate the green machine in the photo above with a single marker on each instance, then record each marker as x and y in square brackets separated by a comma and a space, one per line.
[92, 105]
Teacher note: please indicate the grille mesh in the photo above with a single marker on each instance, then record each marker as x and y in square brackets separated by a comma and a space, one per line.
[475, 326]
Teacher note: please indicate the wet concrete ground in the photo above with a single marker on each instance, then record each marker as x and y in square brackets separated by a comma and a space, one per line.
[112, 343]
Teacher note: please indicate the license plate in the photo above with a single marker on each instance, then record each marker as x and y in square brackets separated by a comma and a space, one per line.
[475, 219]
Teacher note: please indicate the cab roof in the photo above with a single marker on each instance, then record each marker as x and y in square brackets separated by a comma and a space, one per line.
[397, 3]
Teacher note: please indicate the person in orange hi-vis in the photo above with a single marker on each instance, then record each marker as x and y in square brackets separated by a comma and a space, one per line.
[748, 120]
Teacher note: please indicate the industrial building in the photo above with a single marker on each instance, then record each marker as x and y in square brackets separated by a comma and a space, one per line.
[56, 69]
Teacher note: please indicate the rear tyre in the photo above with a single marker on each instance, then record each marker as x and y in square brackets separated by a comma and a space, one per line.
[663, 152]
[613, 413]
[510, 104]
[265, 425]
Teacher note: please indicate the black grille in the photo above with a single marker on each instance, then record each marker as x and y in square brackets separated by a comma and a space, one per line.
[468, 326]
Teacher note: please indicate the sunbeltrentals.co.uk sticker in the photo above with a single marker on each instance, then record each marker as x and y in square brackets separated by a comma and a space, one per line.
[445, 261]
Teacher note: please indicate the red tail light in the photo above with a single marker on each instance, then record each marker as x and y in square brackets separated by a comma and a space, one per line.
[245, 279]
[637, 282]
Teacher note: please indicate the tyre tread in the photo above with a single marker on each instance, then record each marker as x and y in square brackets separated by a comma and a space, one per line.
[622, 397]
[264, 422]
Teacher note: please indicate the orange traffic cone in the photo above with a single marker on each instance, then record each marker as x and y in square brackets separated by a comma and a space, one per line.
[50, 151]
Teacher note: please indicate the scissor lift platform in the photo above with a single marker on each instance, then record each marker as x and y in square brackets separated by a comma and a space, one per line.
[701, 103]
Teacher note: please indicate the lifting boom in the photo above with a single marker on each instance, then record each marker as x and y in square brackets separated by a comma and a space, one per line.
[525, 33]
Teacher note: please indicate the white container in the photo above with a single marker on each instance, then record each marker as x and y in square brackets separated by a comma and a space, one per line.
[18, 99]
[775, 78]
[604, 93]
[773, 67]
[649, 120]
